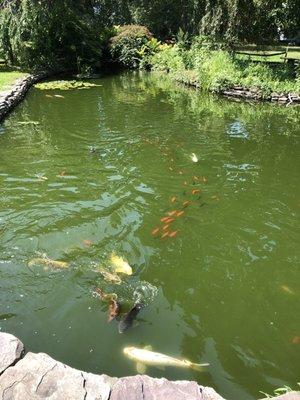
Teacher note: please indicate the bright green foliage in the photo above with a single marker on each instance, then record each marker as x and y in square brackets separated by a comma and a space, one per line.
[216, 70]
[128, 46]
[167, 59]
[53, 34]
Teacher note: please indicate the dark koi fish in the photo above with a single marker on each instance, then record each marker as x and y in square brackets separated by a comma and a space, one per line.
[127, 321]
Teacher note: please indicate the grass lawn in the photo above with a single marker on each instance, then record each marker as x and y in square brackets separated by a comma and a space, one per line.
[7, 79]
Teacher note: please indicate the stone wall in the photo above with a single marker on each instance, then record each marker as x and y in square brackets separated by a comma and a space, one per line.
[244, 93]
[38, 376]
[256, 94]
[10, 98]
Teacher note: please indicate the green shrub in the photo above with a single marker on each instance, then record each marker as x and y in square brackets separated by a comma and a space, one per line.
[126, 46]
[217, 71]
[167, 58]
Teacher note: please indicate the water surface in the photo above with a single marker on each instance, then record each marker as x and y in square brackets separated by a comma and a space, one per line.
[96, 175]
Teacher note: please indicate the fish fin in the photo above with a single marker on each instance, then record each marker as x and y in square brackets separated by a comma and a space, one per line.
[148, 347]
[141, 368]
[199, 367]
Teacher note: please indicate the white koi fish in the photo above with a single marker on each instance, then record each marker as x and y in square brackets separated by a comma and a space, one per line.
[194, 158]
[146, 356]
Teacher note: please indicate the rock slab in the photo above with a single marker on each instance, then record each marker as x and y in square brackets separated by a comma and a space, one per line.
[11, 350]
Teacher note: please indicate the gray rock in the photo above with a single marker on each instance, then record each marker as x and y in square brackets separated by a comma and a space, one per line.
[130, 388]
[11, 350]
[38, 376]
[146, 388]
[161, 389]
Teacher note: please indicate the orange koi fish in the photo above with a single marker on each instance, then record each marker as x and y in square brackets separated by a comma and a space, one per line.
[165, 227]
[173, 199]
[180, 213]
[155, 231]
[170, 168]
[169, 220]
[164, 219]
[87, 243]
[186, 203]
[195, 191]
[62, 173]
[173, 234]
[171, 213]
[164, 235]
[185, 183]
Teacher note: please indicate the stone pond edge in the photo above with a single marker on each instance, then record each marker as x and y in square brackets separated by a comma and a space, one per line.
[10, 98]
[34, 376]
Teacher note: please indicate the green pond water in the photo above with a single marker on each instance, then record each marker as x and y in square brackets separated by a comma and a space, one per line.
[224, 290]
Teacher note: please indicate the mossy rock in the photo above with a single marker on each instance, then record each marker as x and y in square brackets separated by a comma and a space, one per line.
[65, 85]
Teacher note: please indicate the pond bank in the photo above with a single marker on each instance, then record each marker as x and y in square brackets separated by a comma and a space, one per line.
[10, 98]
[244, 93]
[38, 376]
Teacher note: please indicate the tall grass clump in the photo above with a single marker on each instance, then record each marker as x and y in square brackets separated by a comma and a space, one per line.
[217, 70]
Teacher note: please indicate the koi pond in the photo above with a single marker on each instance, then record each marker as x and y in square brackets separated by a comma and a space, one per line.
[198, 194]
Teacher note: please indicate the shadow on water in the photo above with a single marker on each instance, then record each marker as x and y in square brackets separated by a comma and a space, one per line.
[96, 171]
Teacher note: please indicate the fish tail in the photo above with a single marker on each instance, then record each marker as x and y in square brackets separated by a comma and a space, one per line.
[199, 367]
